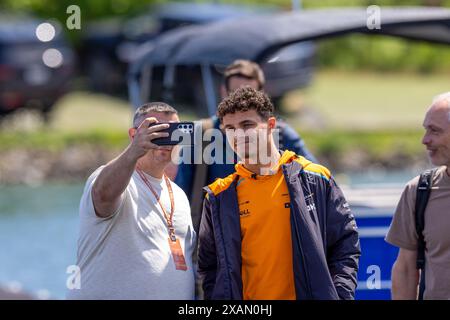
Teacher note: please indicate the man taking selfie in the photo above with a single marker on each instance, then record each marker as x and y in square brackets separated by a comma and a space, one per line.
[136, 236]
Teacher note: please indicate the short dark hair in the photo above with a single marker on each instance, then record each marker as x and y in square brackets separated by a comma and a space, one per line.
[244, 99]
[246, 69]
[151, 107]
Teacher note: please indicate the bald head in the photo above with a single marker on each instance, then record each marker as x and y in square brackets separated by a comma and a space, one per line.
[441, 105]
[437, 131]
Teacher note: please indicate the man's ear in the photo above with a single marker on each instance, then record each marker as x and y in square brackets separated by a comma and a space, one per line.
[272, 123]
[131, 133]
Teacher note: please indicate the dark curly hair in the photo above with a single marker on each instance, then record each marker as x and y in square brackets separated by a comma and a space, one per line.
[244, 99]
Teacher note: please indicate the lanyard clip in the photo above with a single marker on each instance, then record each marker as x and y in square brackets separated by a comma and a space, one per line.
[172, 234]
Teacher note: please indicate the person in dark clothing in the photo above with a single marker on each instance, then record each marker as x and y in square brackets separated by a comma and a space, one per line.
[279, 226]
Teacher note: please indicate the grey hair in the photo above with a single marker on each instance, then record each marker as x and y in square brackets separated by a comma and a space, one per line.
[443, 97]
[146, 108]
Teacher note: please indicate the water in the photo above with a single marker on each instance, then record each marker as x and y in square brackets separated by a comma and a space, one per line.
[39, 231]
[38, 236]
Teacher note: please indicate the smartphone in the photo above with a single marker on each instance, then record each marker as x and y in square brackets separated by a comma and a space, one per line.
[179, 133]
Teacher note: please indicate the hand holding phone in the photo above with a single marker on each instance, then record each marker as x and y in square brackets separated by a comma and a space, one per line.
[179, 133]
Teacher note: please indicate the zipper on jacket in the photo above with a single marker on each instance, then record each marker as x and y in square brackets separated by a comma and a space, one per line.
[212, 196]
[298, 234]
[308, 284]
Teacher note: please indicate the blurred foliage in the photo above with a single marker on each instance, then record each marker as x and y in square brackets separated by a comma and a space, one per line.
[56, 141]
[376, 144]
[382, 53]
[90, 9]
[95, 9]
[104, 8]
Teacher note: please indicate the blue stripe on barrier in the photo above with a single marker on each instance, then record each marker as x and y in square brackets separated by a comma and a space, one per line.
[362, 222]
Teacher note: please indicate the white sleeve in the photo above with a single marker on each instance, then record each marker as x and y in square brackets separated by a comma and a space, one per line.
[87, 204]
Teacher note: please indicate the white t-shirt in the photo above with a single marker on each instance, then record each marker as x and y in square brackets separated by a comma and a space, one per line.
[127, 255]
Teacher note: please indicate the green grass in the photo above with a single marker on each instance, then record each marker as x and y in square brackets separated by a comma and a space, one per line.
[80, 112]
[365, 101]
[77, 118]
[55, 141]
[380, 144]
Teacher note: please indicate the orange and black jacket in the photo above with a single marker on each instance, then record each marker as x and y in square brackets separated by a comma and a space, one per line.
[325, 240]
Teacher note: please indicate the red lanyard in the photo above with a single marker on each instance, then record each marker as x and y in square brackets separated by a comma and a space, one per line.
[169, 218]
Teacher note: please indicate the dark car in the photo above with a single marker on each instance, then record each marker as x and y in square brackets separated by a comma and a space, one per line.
[108, 46]
[36, 64]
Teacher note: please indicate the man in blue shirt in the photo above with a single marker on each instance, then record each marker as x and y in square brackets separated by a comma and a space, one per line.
[193, 177]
